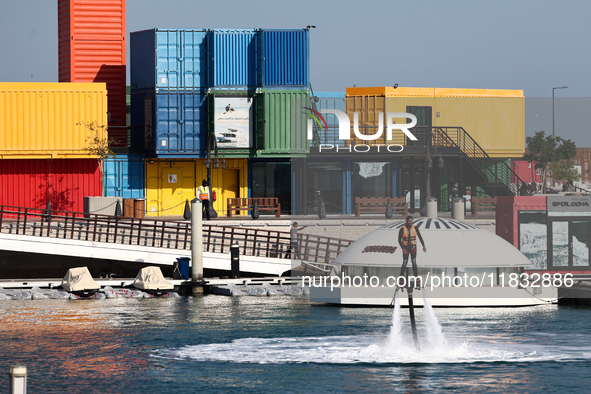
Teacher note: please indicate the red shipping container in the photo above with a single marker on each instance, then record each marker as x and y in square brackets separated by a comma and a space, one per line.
[507, 214]
[92, 49]
[30, 183]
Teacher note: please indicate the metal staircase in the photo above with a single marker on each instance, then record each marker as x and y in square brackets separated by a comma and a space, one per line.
[495, 173]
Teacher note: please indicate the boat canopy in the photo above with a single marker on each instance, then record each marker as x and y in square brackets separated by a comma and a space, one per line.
[79, 279]
[151, 278]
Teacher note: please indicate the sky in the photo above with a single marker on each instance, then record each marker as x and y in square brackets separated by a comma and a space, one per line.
[530, 45]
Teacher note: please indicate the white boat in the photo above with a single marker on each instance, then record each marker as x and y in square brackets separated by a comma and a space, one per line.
[464, 266]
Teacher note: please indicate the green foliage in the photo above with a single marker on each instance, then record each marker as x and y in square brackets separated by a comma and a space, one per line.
[546, 151]
[97, 144]
[564, 170]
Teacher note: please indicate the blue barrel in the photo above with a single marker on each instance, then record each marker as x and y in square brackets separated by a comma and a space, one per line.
[184, 266]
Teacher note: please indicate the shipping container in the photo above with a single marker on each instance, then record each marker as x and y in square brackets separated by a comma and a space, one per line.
[283, 131]
[234, 58]
[32, 183]
[170, 122]
[171, 182]
[286, 58]
[495, 119]
[168, 59]
[48, 120]
[507, 214]
[328, 134]
[92, 48]
[125, 176]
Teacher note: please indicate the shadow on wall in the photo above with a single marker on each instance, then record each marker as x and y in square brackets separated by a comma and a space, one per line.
[61, 198]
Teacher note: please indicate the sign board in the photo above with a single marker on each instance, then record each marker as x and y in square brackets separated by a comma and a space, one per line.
[569, 204]
[233, 125]
[172, 178]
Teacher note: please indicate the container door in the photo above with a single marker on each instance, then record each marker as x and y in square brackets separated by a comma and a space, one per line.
[172, 191]
[229, 188]
[194, 59]
[167, 62]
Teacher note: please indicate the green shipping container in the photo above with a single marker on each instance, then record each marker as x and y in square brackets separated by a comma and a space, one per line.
[281, 132]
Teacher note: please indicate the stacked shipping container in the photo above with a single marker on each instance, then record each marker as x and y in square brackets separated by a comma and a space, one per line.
[43, 146]
[92, 49]
[245, 88]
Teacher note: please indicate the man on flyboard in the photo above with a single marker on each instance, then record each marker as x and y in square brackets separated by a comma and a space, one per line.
[407, 239]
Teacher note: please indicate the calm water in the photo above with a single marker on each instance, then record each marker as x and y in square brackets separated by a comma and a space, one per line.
[281, 344]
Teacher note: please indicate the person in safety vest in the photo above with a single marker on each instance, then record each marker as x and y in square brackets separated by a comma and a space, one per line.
[203, 194]
[407, 239]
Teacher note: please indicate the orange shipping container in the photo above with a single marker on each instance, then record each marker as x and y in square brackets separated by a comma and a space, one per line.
[92, 49]
[46, 120]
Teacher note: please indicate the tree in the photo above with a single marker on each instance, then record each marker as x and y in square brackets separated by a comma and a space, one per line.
[546, 150]
[564, 170]
[98, 145]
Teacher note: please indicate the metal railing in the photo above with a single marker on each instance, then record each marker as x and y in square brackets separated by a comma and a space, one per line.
[165, 234]
[494, 171]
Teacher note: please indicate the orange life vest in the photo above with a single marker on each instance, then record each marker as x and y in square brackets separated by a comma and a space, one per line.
[406, 239]
[203, 192]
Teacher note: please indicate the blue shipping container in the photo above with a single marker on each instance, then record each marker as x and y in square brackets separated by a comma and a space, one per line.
[168, 59]
[235, 58]
[124, 176]
[286, 58]
[170, 122]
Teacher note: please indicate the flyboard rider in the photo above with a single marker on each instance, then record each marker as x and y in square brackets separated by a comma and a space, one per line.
[407, 239]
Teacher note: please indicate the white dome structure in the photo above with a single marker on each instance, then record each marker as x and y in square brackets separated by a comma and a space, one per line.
[449, 242]
[464, 266]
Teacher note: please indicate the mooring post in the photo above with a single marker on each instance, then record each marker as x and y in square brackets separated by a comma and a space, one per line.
[197, 246]
[235, 261]
[17, 383]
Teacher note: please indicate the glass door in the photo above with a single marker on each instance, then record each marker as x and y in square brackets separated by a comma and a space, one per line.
[569, 244]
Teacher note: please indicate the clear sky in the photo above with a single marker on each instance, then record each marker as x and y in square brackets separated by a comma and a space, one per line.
[531, 45]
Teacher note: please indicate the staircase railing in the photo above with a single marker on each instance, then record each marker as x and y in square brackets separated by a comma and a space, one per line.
[494, 171]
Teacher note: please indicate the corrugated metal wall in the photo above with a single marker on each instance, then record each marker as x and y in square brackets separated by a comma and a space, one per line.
[286, 58]
[494, 118]
[285, 122]
[234, 58]
[170, 182]
[170, 122]
[92, 49]
[32, 182]
[46, 120]
[169, 59]
[124, 176]
[583, 159]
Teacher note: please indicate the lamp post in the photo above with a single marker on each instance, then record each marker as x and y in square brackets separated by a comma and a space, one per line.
[216, 164]
[553, 89]
[429, 162]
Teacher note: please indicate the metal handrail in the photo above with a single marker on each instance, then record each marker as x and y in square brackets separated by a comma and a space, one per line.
[165, 234]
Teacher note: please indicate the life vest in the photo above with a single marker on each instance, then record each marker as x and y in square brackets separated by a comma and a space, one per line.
[203, 192]
[406, 238]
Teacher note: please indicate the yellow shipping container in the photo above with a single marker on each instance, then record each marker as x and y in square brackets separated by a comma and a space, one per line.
[494, 118]
[171, 182]
[47, 120]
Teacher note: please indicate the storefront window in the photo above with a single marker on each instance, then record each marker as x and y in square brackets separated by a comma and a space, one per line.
[272, 179]
[371, 179]
[533, 236]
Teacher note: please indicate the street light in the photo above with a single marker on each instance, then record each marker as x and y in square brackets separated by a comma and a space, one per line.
[553, 89]
[211, 139]
[440, 163]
